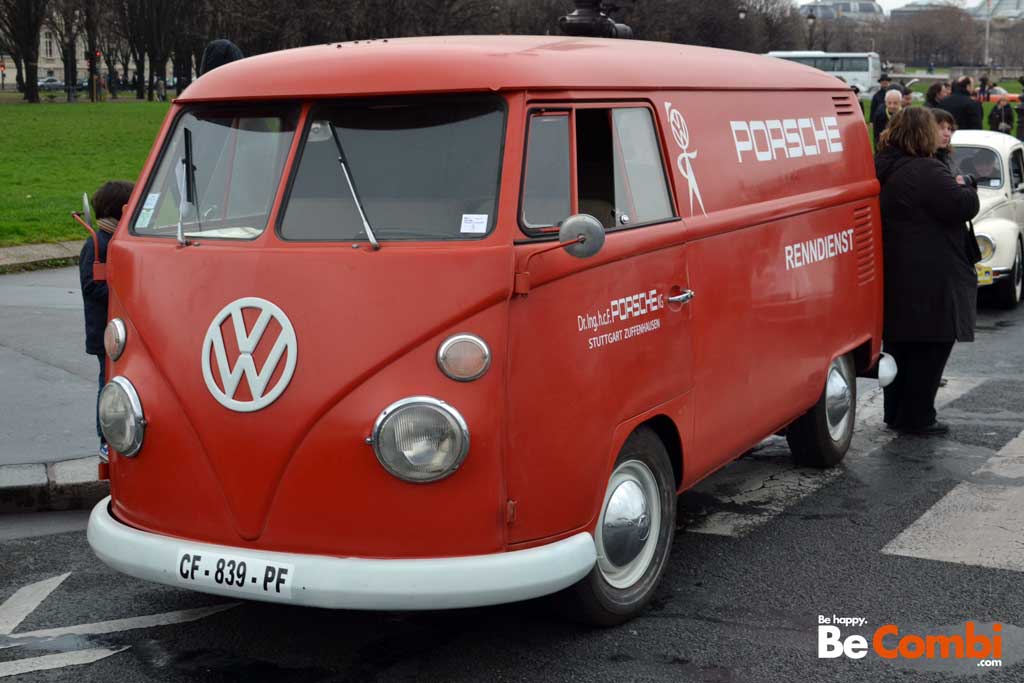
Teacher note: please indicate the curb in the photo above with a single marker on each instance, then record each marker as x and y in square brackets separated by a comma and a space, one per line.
[65, 485]
[34, 256]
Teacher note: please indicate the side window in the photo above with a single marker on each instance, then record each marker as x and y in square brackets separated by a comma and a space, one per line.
[620, 178]
[644, 188]
[1017, 168]
[546, 191]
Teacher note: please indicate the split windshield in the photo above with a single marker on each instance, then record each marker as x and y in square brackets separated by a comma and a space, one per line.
[420, 169]
[237, 156]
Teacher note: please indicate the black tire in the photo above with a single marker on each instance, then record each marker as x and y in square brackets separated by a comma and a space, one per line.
[613, 594]
[1008, 292]
[810, 438]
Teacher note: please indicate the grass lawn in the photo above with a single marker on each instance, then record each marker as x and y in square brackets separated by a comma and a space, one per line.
[51, 153]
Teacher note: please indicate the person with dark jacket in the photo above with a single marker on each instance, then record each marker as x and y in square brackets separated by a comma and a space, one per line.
[878, 99]
[947, 126]
[965, 109]
[1001, 118]
[107, 204]
[939, 90]
[218, 53]
[893, 103]
[930, 282]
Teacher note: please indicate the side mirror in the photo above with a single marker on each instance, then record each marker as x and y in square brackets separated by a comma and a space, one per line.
[582, 235]
[1019, 188]
[86, 209]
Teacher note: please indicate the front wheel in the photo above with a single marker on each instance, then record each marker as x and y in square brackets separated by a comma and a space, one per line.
[633, 535]
[1008, 292]
[821, 436]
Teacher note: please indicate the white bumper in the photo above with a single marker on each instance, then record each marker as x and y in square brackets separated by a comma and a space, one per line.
[355, 583]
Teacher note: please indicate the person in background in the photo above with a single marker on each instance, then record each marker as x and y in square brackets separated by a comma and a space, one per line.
[893, 103]
[937, 91]
[218, 53]
[983, 87]
[930, 282]
[1001, 118]
[947, 126]
[965, 109]
[107, 204]
[908, 96]
[878, 100]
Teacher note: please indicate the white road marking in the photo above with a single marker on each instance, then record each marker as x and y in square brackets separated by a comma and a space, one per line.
[767, 487]
[119, 625]
[979, 522]
[25, 600]
[57, 661]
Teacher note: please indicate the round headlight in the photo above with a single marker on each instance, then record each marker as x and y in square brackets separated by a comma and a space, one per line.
[121, 417]
[420, 439]
[464, 357]
[114, 337]
[987, 247]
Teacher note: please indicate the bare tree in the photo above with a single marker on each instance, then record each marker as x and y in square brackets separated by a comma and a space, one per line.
[131, 25]
[776, 25]
[65, 20]
[91, 12]
[22, 20]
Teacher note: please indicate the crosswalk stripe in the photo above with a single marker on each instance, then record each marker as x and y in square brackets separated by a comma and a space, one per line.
[762, 489]
[25, 600]
[979, 522]
[56, 661]
[118, 625]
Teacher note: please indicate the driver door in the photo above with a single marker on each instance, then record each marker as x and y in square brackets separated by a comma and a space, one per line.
[594, 342]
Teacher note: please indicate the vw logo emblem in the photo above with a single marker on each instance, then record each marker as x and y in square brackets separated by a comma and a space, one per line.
[284, 347]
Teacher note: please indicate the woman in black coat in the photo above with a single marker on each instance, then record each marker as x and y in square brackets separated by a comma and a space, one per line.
[930, 282]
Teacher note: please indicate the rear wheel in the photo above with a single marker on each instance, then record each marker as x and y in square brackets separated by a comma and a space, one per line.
[633, 535]
[1008, 292]
[821, 436]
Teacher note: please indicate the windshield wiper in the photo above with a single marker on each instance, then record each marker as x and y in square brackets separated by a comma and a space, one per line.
[189, 189]
[352, 187]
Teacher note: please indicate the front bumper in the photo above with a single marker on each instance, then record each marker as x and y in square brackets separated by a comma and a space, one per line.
[356, 583]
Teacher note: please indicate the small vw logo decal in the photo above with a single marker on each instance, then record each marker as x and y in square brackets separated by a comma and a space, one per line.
[284, 347]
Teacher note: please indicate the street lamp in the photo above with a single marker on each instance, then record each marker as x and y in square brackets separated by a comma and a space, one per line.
[811, 19]
[742, 11]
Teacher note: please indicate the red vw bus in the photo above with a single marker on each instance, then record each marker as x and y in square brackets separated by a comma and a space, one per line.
[442, 322]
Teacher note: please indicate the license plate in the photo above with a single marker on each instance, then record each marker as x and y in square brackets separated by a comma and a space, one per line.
[243, 575]
[984, 274]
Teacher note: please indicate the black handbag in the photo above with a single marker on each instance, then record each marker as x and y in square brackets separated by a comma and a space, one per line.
[971, 244]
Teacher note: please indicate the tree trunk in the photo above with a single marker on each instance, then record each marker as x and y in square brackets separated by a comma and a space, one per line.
[19, 76]
[92, 41]
[32, 75]
[70, 71]
[140, 78]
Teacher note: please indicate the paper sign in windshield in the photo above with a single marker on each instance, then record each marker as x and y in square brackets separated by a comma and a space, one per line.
[151, 200]
[474, 223]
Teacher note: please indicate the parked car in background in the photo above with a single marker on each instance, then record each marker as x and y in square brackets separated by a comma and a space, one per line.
[996, 92]
[50, 83]
[996, 161]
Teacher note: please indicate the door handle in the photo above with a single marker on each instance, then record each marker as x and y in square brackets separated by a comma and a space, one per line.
[681, 298]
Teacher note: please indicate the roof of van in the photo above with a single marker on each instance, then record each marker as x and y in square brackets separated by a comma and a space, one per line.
[475, 63]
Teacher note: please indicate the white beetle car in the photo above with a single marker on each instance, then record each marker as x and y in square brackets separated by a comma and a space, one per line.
[997, 162]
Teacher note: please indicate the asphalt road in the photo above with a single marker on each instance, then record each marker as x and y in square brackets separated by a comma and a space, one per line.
[49, 383]
[763, 552]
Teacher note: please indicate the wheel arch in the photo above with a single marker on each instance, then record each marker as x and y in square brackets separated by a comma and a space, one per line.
[666, 429]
